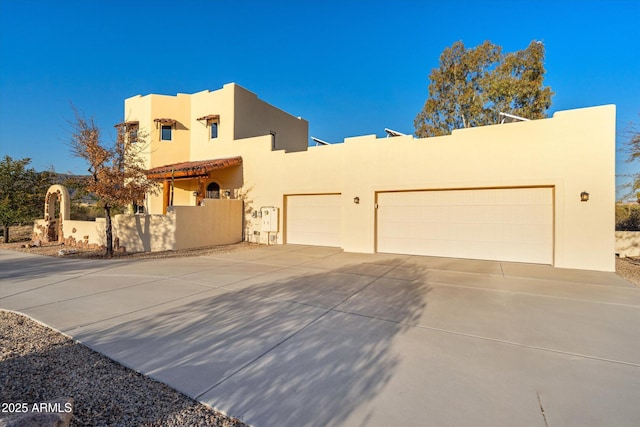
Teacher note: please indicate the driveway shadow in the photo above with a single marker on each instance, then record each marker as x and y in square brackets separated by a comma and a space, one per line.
[27, 266]
[271, 354]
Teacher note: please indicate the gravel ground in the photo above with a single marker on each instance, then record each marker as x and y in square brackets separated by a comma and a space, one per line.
[39, 364]
[629, 268]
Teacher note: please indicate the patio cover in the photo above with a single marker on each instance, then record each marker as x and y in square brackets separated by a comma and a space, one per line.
[194, 169]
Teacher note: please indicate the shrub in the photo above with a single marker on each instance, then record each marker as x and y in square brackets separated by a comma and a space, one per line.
[627, 218]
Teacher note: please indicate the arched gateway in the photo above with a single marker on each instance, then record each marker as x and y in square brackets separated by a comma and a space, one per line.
[56, 193]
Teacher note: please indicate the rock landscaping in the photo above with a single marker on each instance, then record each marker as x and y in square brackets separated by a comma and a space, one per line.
[41, 366]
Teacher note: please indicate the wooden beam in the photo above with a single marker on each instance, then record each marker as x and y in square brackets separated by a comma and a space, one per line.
[176, 174]
[166, 188]
[201, 190]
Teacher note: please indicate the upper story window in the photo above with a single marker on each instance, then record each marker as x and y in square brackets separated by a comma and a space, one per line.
[166, 133]
[166, 128]
[132, 131]
[133, 135]
[129, 130]
[212, 121]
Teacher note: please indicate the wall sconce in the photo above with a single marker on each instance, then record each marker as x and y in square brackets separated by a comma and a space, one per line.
[584, 196]
[356, 200]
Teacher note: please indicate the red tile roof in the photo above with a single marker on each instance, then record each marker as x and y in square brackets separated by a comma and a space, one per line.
[209, 117]
[192, 169]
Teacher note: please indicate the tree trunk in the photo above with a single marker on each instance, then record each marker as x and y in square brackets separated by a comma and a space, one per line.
[6, 233]
[109, 232]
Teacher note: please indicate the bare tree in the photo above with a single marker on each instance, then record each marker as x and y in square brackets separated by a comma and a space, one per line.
[631, 147]
[117, 173]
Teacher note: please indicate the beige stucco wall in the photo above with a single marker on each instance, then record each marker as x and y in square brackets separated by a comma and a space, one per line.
[89, 232]
[138, 108]
[216, 222]
[145, 109]
[205, 103]
[75, 232]
[573, 151]
[145, 233]
[254, 117]
[242, 115]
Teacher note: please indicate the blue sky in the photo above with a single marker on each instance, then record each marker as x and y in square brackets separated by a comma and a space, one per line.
[348, 67]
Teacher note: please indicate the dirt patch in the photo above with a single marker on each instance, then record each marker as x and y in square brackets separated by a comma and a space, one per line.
[17, 233]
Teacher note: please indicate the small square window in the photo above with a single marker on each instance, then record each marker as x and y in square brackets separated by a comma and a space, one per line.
[133, 134]
[166, 133]
[214, 130]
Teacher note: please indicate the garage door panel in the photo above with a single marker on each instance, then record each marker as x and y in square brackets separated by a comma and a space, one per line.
[514, 224]
[470, 249]
[314, 219]
[467, 214]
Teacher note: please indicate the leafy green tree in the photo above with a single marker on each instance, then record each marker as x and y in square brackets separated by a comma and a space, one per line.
[22, 192]
[473, 85]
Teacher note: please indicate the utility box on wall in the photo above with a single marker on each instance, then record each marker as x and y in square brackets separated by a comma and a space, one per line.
[269, 219]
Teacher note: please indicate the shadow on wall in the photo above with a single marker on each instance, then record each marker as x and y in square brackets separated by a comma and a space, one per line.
[143, 228]
[146, 233]
[628, 243]
[244, 194]
[278, 350]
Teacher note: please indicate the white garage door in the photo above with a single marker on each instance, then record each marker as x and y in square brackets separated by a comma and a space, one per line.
[314, 219]
[514, 224]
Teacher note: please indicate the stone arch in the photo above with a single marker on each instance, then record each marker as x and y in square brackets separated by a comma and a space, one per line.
[54, 225]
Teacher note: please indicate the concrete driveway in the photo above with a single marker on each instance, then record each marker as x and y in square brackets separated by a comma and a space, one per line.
[309, 336]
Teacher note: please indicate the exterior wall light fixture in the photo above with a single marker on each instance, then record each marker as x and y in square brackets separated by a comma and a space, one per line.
[356, 200]
[584, 196]
[227, 193]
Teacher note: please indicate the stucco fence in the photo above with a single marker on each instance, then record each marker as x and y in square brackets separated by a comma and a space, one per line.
[628, 243]
[216, 222]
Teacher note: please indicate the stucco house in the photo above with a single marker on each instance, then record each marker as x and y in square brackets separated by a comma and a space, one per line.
[539, 191]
